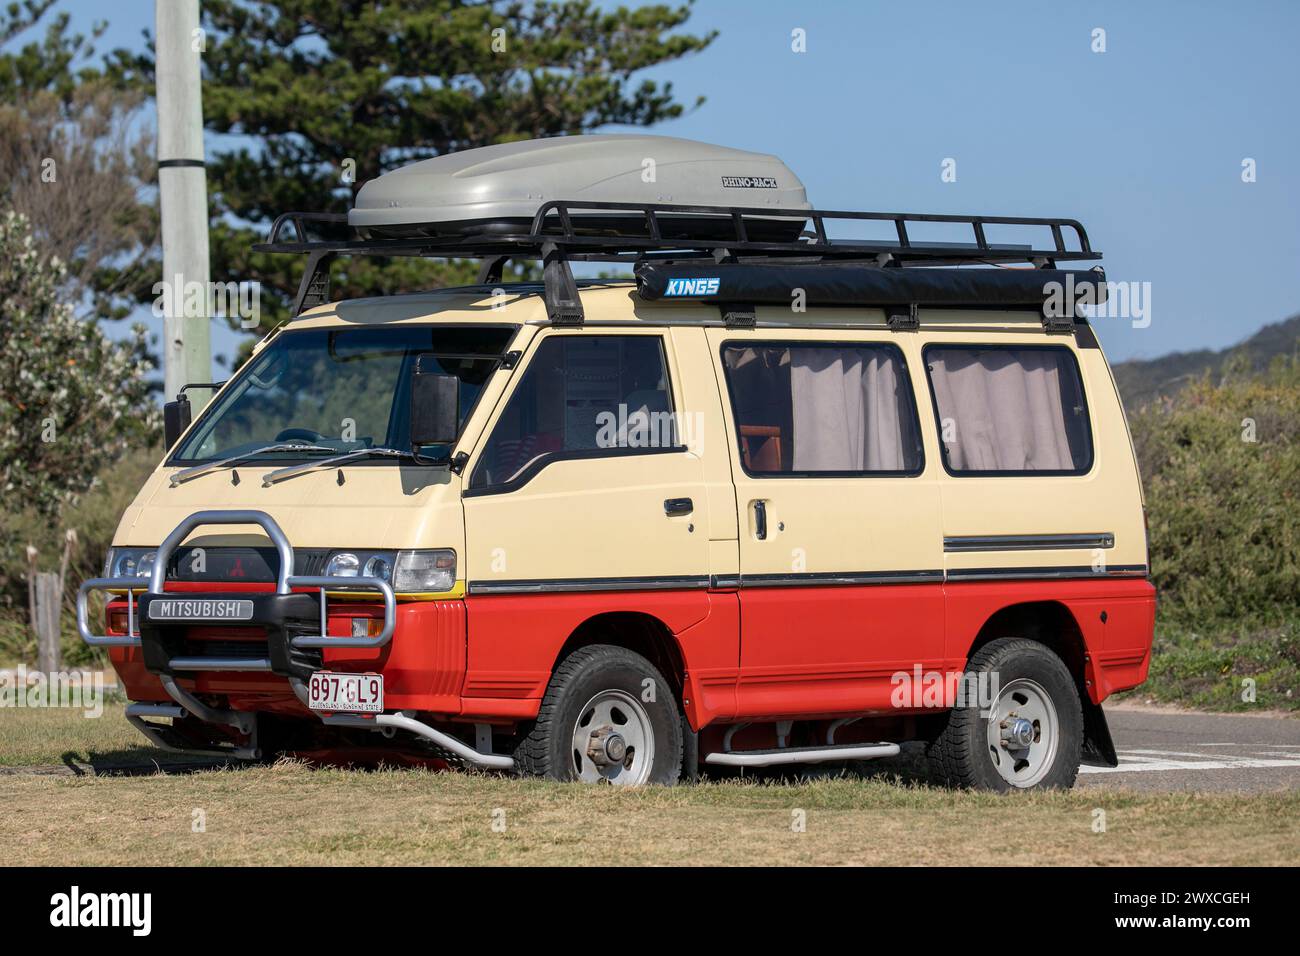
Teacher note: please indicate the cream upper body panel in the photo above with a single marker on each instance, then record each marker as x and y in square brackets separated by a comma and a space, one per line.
[385, 505]
[1105, 501]
[378, 505]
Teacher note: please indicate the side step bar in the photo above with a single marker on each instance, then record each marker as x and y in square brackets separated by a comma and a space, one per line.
[788, 755]
[381, 722]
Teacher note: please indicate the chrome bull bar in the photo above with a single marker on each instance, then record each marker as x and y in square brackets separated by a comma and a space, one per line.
[285, 583]
[245, 722]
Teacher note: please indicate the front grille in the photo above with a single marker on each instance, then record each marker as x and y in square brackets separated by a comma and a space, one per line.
[312, 657]
[241, 565]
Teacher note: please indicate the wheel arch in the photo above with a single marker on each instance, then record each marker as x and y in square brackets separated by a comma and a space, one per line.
[1049, 623]
[637, 631]
[1054, 625]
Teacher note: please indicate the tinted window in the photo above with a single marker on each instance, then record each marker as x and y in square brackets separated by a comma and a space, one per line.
[832, 409]
[579, 395]
[1007, 410]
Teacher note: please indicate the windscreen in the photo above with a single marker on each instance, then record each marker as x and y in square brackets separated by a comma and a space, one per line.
[339, 389]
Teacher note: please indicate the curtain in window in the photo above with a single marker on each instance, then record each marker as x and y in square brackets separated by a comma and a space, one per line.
[1001, 409]
[846, 410]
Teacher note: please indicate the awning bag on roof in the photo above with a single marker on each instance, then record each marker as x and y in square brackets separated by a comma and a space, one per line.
[829, 285]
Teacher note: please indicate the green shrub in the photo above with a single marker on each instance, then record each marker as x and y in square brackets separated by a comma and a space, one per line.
[94, 516]
[1224, 510]
[1224, 521]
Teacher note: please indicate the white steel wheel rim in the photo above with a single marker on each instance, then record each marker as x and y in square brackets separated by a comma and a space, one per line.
[594, 752]
[1020, 762]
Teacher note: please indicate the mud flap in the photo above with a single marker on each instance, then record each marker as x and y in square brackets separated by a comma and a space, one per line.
[690, 752]
[1098, 748]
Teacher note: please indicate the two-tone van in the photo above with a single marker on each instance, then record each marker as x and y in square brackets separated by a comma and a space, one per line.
[776, 498]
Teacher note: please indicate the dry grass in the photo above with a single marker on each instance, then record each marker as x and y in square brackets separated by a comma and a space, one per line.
[293, 814]
[65, 735]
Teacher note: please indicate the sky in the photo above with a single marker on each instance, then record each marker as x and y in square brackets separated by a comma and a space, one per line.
[1144, 142]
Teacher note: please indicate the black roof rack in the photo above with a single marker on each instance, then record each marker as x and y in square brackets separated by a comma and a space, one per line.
[564, 231]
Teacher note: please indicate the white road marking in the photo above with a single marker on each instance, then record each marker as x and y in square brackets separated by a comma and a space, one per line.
[1293, 746]
[1138, 761]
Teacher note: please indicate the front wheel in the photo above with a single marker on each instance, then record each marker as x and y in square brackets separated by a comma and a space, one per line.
[608, 717]
[1031, 737]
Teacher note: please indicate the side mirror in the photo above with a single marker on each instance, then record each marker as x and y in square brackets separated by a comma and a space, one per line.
[176, 418]
[435, 406]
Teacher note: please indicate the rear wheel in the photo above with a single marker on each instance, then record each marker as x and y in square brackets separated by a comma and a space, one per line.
[608, 717]
[1032, 735]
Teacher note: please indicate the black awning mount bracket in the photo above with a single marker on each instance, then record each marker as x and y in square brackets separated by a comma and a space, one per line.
[559, 290]
[903, 318]
[736, 316]
[1058, 321]
[314, 287]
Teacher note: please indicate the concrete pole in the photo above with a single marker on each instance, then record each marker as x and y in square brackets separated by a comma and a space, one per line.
[183, 194]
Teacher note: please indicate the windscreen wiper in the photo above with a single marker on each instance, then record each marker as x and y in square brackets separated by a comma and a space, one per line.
[282, 473]
[210, 466]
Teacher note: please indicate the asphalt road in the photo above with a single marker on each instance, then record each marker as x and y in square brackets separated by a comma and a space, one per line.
[1173, 751]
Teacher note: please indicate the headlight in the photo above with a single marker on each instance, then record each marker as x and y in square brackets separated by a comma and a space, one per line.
[364, 564]
[417, 571]
[379, 566]
[345, 564]
[129, 562]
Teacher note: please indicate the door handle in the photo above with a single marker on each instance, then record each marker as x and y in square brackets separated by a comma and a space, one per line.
[760, 520]
[673, 507]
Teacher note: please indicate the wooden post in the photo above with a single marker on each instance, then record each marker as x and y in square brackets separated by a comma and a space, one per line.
[32, 556]
[45, 605]
[48, 600]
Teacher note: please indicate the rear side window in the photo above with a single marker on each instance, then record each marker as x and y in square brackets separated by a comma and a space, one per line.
[1010, 411]
[833, 409]
[581, 397]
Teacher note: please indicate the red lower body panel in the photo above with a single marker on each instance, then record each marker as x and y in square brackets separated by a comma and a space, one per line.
[762, 654]
[516, 639]
[1115, 615]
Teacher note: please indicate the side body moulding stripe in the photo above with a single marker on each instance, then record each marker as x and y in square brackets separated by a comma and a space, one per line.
[684, 582]
[820, 579]
[832, 578]
[1028, 542]
[1017, 574]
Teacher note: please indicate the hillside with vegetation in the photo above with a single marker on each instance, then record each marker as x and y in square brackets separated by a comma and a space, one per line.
[1141, 381]
[1217, 436]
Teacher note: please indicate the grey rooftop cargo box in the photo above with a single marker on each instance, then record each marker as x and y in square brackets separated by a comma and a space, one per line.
[499, 189]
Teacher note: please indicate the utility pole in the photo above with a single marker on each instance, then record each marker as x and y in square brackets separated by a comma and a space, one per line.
[183, 195]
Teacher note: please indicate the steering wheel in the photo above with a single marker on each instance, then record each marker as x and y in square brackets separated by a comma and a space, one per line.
[303, 434]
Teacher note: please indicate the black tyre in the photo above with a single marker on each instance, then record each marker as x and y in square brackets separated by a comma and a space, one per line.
[608, 717]
[1031, 737]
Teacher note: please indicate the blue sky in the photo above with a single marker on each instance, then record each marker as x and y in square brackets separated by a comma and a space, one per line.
[1144, 143]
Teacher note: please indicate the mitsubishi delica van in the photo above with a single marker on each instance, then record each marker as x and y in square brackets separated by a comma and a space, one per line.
[805, 486]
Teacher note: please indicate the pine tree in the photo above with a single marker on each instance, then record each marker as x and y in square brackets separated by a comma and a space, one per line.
[318, 96]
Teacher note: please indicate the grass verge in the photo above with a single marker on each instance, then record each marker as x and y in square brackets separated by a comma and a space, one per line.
[1222, 668]
[290, 813]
